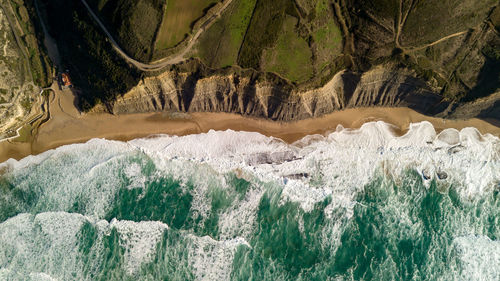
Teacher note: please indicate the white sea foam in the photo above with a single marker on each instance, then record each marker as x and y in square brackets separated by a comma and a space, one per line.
[134, 174]
[47, 240]
[50, 240]
[337, 165]
[346, 158]
[211, 259]
[480, 258]
[139, 239]
[344, 161]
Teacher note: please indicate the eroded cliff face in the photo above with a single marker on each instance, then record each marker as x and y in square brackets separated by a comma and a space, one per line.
[183, 92]
[485, 108]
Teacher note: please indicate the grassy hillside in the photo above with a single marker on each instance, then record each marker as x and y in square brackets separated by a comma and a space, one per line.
[134, 23]
[444, 42]
[428, 22]
[95, 67]
[178, 20]
[219, 46]
[290, 56]
[32, 39]
[452, 44]
[298, 40]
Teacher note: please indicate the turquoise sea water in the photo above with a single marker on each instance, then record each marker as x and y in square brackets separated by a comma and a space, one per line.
[356, 205]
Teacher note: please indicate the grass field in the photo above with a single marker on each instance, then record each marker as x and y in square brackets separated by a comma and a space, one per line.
[220, 44]
[326, 35]
[429, 22]
[291, 56]
[177, 21]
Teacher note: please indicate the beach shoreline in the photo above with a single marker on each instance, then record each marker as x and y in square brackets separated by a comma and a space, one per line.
[68, 126]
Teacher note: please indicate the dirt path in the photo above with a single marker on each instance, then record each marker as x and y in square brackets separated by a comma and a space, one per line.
[174, 59]
[412, 49]
[402, 17]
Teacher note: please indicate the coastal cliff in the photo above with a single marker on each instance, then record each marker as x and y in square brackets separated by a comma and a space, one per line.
[172, 91]
[320, 56]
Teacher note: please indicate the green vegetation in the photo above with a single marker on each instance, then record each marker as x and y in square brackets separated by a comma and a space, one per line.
[327, 43]
[263, 31]
[220, 44]
[428, 22]
[304, 42]
[26, 103]
[94, 66]
[321, 7]
[178, 20]
[443, 42]
[327, 53]
[23, 13]
[299, 41]
[291, 56]
[32, 38]
[134, 22]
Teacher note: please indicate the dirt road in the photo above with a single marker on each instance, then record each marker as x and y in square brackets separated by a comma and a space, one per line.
[174, 59]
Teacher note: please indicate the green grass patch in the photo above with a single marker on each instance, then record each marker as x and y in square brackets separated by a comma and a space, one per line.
[291, 56]
[178, 20]
[220, 44]
[322, 7]
[328, 44]
[328, 34]
[264, 29]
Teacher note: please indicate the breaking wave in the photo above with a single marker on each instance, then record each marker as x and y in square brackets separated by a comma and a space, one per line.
[360, 204]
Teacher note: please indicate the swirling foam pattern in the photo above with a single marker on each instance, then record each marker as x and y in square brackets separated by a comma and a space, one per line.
[354, 205]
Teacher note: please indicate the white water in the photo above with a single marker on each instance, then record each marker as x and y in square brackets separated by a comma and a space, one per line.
[337, 165]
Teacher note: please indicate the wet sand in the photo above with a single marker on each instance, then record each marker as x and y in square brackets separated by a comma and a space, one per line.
[68, 126]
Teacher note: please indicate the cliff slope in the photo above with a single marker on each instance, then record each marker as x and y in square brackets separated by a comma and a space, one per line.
[288, 59]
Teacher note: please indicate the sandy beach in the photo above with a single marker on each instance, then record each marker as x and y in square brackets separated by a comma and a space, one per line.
[67, 125]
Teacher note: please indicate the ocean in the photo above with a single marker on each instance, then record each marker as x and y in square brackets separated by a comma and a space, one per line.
[360, 204]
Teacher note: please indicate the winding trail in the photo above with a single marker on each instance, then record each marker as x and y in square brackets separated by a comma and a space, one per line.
[174, 59]
[402, 17]
[411, 49]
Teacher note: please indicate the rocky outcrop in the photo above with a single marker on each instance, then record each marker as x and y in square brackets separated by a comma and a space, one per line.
[249, 96]
[487, 108]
